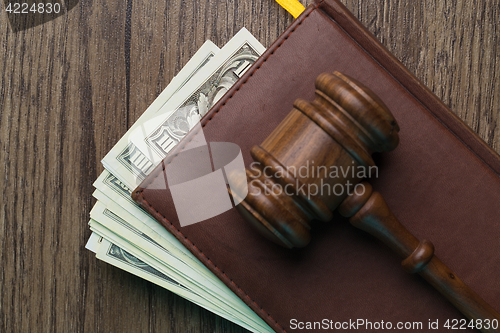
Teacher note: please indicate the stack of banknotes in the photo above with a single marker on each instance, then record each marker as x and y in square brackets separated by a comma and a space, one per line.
[127, 237]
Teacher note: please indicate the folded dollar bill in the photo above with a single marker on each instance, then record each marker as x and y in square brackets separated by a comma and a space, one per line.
[124, 235]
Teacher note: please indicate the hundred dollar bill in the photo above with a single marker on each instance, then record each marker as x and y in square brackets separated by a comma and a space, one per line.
[114, 254]
[183, 262]
[118, 257]
[200, 59]
[93, 242]
[139, 219]
[111, 226]
[135, 156]
[115, 190]
[165, 123]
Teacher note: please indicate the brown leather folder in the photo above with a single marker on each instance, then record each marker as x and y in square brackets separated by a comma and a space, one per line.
[442, 183]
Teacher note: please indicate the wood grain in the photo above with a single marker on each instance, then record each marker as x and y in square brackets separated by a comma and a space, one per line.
[70, 88]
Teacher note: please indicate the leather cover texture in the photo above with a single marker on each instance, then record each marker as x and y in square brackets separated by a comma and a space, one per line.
[442, 183]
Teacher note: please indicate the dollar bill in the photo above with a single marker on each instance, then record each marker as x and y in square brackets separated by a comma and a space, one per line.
[130, 229]
[110, 188]
[150, 228]
[93, 242]
[120, 258]
[118, 230]
[200, 59]
[136, 155]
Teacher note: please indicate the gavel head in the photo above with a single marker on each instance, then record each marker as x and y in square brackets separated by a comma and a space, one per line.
[314, 158]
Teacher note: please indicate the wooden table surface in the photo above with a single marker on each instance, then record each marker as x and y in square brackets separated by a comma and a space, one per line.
[72, 86]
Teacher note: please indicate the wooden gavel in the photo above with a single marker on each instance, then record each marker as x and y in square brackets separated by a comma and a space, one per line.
[341, 128]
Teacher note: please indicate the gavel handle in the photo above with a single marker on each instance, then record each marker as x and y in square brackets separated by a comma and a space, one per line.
[369, 212]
